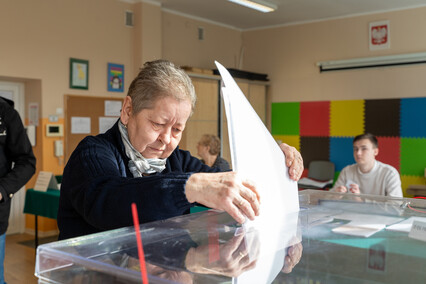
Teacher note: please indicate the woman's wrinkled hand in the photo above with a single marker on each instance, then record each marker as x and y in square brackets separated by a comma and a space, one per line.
[294, 253]
[294, 161]
[224, 191]
[235, 257]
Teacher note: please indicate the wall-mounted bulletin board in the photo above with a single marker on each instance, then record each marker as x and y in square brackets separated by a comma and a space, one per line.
[88, 115]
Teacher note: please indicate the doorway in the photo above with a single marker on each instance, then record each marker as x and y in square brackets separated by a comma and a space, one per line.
[15, 91]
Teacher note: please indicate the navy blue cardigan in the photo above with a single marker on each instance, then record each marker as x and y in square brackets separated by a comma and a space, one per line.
[97, 187]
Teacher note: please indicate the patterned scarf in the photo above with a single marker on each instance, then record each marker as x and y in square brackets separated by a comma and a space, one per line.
[138, 165]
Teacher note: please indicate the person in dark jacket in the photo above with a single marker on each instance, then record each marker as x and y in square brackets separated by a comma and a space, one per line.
[209, 149]
[138, 161]
[17, 165]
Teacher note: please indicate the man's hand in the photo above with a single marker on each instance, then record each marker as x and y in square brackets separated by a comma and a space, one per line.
[293, 161]
[354, 188]
[341, 189]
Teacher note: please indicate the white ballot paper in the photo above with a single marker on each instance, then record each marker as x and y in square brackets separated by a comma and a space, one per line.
[256, 155]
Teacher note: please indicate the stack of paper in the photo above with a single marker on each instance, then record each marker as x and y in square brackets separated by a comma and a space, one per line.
[307, 182]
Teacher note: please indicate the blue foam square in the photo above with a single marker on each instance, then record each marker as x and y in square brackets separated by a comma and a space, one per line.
[341, 152]
[413, 117]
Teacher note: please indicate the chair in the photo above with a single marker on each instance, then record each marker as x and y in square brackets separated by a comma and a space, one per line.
[320, 175]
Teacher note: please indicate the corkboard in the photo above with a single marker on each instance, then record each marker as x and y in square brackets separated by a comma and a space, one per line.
[83, 106]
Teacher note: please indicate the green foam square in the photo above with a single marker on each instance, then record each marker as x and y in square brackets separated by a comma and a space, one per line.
[413, 156]
[285, 118]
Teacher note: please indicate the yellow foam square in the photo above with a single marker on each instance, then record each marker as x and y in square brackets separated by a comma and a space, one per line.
[292, 140]
[406, 181]
[346, 118]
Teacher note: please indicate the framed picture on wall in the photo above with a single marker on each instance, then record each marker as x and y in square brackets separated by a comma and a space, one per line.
[79, 74]
[379, 35]
[115, 77]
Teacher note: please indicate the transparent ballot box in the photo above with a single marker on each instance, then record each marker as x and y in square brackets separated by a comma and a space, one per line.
[334, 238]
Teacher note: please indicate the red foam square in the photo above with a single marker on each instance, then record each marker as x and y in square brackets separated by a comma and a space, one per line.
[389, 149]
[315, 118]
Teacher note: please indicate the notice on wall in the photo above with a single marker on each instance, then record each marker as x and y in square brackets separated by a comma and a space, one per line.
[112, 108]
[80, 125]
[45, 180]
[106, 123]
[33, 110]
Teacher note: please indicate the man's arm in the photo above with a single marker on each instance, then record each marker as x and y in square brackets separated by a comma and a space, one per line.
[393, 184]
[339, 186]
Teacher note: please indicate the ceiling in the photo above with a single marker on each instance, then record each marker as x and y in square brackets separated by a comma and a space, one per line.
[288, 12]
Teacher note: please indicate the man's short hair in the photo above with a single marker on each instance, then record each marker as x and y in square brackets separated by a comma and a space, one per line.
[368, 136]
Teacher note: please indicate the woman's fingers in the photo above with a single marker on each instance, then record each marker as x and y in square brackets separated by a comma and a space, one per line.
[294, 161]
[224, 191]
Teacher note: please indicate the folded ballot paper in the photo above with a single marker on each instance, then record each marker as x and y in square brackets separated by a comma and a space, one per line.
[256, 155]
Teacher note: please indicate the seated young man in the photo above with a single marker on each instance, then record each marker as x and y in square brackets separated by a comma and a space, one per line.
[368, 176]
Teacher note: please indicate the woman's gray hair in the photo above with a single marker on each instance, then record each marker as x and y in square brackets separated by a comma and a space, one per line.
[159, 79]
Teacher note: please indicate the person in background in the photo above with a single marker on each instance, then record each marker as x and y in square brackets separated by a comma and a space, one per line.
[368, 176]
[17, 166]
[138, 161]
[209, 149]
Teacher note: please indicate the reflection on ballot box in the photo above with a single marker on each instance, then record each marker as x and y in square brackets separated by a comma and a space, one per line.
[210, 247]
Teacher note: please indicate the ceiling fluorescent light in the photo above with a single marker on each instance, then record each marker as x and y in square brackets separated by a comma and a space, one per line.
[258, 5]
[371, 62]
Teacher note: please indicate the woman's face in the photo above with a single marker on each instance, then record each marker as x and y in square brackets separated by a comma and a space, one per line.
[156, 132]
[203, 150]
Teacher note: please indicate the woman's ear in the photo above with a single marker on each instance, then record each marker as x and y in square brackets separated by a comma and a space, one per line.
[126, 110]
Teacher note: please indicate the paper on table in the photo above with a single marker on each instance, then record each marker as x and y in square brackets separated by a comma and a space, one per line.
[363, 225]
[368, 218]
[405, 226]
[359, 229]
[256, 155]
[310, 182]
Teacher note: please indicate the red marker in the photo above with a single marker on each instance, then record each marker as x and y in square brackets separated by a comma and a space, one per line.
[139, 242]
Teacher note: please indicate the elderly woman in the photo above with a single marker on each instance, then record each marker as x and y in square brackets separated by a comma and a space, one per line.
[209, 149]
[138, 160]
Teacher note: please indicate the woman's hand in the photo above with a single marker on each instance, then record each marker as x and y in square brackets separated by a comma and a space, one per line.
[294, 161]
[234, 257]
[294, 253]
[224, 191]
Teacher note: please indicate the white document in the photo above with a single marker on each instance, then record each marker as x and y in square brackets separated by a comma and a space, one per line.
[33, 110]
[363, 225]
[80, 125]
[45, 180]
[106, 123]
[255, 155]
[368, 219]
[405, 226]
[359, 229]
[112, 108]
